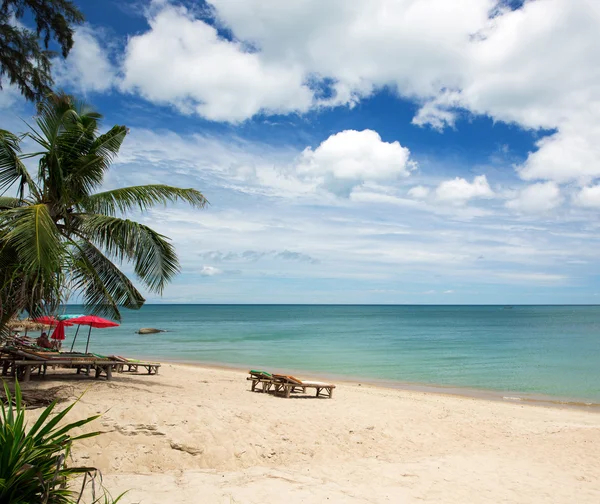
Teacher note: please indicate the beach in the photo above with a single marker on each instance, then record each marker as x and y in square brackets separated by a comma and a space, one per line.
[198, 434]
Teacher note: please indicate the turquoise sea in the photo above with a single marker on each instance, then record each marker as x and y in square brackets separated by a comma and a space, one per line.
[536, 350]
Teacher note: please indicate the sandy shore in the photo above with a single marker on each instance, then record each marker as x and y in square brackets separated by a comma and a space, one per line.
[194, 434]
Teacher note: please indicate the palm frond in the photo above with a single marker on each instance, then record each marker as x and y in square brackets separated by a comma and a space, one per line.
[141, 197]
[12, 170]
[154, 257]
[34, 236]
[87, 171]
[104, 287]
[7, 202]
[34, 292]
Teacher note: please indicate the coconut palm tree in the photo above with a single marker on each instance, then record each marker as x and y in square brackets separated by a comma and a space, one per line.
[57, 234]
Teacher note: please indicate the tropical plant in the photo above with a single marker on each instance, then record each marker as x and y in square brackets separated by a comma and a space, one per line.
[25, 57]
[57, 235]
[33, 462]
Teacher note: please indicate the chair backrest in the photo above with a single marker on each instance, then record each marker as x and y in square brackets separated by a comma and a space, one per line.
[288, 379]
[260, 374]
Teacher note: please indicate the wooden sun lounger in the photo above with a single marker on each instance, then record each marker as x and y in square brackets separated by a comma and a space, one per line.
[288, 384]
[24, 368]
[260, 378]
[131, 365]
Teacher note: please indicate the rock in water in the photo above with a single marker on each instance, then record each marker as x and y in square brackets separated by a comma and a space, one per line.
[149, 330]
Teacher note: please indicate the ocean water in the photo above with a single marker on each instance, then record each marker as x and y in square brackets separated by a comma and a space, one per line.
[537, 350]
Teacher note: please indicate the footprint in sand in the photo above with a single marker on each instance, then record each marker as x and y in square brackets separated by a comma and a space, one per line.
[136, 429]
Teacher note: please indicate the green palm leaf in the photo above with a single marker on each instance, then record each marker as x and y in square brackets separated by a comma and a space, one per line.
[154, 258]
[7, 202]
[88, 170]
[103, 285]
[34, 236]
[140, 197]
[12, 169]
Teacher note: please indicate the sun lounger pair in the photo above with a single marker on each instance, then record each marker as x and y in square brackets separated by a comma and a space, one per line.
[286, 384]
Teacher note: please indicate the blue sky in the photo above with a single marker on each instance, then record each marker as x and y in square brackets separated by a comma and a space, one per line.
[390, 151]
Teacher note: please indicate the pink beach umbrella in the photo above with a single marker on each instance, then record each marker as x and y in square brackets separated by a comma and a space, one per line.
[92, 321]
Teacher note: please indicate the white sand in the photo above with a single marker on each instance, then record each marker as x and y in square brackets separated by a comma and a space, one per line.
[194, 434]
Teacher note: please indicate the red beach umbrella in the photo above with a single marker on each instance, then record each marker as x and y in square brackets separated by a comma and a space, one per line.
[52, 321]
[59, 331]
[92, 321]
[46, 320]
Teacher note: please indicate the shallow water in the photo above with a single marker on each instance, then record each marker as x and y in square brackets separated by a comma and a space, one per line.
[543, 350]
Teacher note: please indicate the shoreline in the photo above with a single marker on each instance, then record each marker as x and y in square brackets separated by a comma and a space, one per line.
[506, 397]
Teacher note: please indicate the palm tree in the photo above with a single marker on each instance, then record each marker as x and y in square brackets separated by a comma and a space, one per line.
[57, 234]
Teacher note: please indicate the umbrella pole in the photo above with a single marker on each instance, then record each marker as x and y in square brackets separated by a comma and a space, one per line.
[88, 341]
[75, 338]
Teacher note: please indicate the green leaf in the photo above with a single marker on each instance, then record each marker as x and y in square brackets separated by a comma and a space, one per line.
[7, 202]
[154, 258]
[33, 463]
[103, 285]
[140, 197]
[34, 236]
[12, 170]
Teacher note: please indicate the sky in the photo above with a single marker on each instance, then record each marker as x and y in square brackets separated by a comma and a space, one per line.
[381, 152]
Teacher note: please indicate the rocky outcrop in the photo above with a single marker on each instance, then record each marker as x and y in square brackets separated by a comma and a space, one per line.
[149, 330]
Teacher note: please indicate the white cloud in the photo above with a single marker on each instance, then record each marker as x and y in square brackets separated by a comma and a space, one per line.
[537, 66]
[358, 43]
[250, 168]
[210, 271]
[531, 277]
[588, 197]
[572, 154]
[419, 192]
[350, 158]
[88, 67]
[182, 61]
[263, 239]
[537, 198]
[9, 96]
[459, 191]
[449, 291]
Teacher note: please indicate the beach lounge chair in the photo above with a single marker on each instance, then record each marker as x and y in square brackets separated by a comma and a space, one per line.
[23, 362]
[287, 384]
[261, 378]
[132, 365]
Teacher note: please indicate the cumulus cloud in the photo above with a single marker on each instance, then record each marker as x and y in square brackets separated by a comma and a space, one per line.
[88, 67]
[184, 62]
[536, 66]
[350, 158]
[571, 154]
[418, 192]
[537, 198]
[588, 197]
[9, 96]
[459, 190]
[210, 271]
